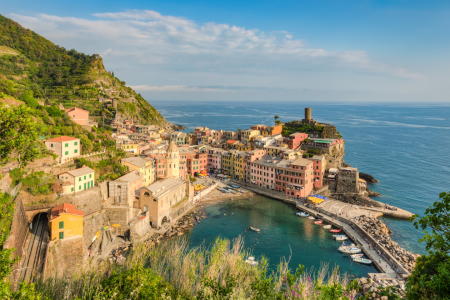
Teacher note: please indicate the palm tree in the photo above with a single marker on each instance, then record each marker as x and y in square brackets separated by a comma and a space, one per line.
[276, 119]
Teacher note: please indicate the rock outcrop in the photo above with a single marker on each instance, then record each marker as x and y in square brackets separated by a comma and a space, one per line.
[381, 289]
[357, 199]
[368, 178]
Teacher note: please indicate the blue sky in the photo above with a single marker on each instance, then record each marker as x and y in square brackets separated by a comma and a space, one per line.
[259, 50]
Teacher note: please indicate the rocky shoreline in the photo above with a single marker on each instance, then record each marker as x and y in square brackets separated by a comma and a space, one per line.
[380, 288]
[381, 233]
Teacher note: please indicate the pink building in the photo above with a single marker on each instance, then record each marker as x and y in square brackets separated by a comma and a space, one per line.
[295, 177]
[263, 171]
[294, 140]
[78, 115]
[248, 159]
[319, 170]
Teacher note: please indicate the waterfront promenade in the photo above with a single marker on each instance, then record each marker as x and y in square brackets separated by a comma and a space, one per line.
[380, 257]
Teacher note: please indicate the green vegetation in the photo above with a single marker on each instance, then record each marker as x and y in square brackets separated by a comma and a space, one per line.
[34, 69]
[107, 169]
[172, 271]
[431, 276]
[306, 128]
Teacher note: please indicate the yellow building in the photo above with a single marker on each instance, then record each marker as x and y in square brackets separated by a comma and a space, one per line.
[248, 134]
[228, 162]
[146, 166]
[244, 147]
[239, 165]
[131, 147]
[65, 222]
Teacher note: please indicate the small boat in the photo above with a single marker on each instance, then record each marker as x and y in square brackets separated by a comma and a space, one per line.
[341, 238]
[349, 249]
[337, 235]
[251, 261]
[356, 255]
[362, 260]
[318, 222]
[335, 230]
[302, 214]
[327, 226]
[254, 229]
[311, 218]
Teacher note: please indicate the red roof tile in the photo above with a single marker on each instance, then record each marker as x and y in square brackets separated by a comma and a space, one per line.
[62, 139]
[74, 108]
[64, 208]
[231, 141]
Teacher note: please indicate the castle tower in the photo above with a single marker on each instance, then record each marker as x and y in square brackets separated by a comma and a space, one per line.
[172, 161]
[308, 113]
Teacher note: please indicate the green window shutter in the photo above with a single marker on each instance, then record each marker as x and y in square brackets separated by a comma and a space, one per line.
[92, 183]
[75, 151]
[90, 175]
[79, 178]
[67, 153]
[85, 177]
[61, 235]
[71, 189]
[76, 143]
[67, 145]
[85, 185]
[79, 187]
[61, 225]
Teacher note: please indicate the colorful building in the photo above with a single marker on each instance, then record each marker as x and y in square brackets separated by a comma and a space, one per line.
[146, 166]
[121, 191]
[78, 115]
[131, 147]
[77, 180]
[65, 222]
[65, 147]
[294, 140]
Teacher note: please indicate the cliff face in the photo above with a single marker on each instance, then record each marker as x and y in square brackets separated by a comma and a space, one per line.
[32, 64]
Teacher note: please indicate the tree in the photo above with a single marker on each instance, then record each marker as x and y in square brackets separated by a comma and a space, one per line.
[431, 276]
[276, 119]
[27, 97]
[18, 135]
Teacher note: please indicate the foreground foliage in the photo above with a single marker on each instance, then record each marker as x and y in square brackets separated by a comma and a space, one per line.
[431, 277]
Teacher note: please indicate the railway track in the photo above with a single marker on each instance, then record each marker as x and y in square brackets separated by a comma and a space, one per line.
[34, 260]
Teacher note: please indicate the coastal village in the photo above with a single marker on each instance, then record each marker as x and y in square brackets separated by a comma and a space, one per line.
[169, 174]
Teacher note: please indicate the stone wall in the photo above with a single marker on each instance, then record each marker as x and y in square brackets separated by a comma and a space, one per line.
[92, 223]
[347, 183]
[87, 201]
[19, 229]
[5, 183]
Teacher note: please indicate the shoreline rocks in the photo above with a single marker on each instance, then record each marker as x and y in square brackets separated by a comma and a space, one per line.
[373, 194]
[372, 289]
[381, 233]
[357, 199]
[368, 178]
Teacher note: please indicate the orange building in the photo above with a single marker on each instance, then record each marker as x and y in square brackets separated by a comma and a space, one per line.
[78, 115]
[65, 222]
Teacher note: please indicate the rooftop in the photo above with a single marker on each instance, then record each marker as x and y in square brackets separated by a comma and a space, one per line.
[161, 187]
[137, 161]
[301, 162]
[64, 208]
[130, 177]
[80, 172]
[62, 139]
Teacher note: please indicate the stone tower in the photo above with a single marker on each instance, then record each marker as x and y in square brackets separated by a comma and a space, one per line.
[172, 161]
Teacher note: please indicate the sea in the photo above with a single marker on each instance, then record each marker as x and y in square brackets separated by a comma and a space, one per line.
[405, 146]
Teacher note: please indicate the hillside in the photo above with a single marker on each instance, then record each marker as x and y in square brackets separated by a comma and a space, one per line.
[54, 75]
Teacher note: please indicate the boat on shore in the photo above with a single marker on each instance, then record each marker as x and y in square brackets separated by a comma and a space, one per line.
[254, 229]
[318, 222]
[362, 260]
[335, 230]
[302, 214]
[327, 226]
[311, 218]
[251, 261]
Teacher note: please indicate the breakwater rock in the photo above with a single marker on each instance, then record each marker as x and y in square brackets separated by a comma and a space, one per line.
[368, 178]
[381, 233]
[381, 289]
[373, 194]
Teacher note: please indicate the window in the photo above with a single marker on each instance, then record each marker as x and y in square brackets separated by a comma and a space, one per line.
[85, 177]
[61, 235]
[79, 178]
[76, 143]
[51, 145]
[66, 145]
[61, 225]
[66, 153]
[90, 175]
[76, 151]
[79, 187]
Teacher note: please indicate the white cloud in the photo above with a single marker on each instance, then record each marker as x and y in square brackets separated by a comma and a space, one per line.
[176, 88]
[176, 54]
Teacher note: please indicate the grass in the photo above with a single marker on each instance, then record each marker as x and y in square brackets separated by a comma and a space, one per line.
[173, 271]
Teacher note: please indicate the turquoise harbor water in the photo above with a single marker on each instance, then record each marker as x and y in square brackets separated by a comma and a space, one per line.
[406, 147]
[282, 234]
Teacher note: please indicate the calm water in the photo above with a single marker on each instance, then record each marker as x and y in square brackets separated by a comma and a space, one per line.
[283, 234]
[405, 147]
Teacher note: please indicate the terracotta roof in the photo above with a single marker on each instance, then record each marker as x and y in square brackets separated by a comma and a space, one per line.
[74, 108]
[231, 141]
[62, 139]
[64, 208]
